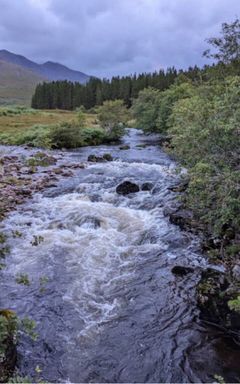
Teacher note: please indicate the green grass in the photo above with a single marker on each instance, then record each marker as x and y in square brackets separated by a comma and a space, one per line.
[48, 129]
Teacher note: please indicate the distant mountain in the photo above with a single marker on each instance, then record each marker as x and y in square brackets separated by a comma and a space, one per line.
[23, 75]
[49, 70]
[17, 84]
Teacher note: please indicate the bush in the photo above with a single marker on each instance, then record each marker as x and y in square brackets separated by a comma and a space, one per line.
[146, 109]
[66, 135]
[205, 129]
[113, 116]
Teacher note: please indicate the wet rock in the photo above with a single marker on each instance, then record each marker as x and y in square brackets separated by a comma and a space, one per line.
[236, 272]
[57, 171]
[147, 186]
[95, 159]
[165, 140]
[180, 187]
[214, 292]
[124, 147]
[184, 218]
[179, 270]
[107, 157]
[127, 187]
[90, 222]
[67, 173]
[73, 166]
[98, 159]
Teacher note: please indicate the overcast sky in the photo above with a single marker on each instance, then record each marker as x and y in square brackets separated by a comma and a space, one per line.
[109, 37]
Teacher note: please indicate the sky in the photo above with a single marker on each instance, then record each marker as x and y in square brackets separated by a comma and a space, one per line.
[113, 37]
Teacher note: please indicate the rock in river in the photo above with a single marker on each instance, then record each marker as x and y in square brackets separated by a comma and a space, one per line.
[127, 187]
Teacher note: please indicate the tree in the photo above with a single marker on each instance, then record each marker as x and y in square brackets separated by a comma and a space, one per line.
[113, 116]
[145, 109]
[226, 47]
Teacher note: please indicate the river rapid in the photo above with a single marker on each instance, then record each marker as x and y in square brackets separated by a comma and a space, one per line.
[106, 304]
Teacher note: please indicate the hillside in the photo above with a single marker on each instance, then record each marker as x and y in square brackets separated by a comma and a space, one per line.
[17, 84]
[19, 76]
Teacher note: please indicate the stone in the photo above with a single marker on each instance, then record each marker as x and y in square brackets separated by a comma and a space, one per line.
[127, 187]
[236, 272]
[107, 157]
[180, 270]
[147, 186]
[124, 147]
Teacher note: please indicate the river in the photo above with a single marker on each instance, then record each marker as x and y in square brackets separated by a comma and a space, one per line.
[106, 304]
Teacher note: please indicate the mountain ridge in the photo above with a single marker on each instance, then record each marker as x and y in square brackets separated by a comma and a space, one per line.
[23, 75]
[50, 70]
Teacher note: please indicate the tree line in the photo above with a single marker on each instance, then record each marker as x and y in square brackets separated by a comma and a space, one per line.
[68, 95]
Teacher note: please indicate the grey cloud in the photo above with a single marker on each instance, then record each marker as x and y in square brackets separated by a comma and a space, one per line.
[108, 37]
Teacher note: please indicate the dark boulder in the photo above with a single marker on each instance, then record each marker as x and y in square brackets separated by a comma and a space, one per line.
[127, 187]
[107, 157]
[98, 159]
[179, 270]
[185, 219]
[124, 147]
[147, 186]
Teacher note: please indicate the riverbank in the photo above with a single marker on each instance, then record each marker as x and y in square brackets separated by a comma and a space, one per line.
[218, 292]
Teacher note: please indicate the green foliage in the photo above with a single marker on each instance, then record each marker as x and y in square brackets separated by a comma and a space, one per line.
[22, 279]
[219, 379]
[67, 95]
[20, 380]
[2, 238]
[205, 129]
[16, 110]
[29, 326]
[8, 330]
[153, 109]
[146, 109]
[40, 159]
[113, 115]
[227, 47]
[167, 100]
[81, 118]
[234, 305]
[66, 135]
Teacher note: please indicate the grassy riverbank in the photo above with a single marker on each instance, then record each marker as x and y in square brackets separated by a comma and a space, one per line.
[62, 129]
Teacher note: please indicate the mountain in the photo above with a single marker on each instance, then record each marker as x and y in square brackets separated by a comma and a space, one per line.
[49, 70]
[17, 84]
[23, 75]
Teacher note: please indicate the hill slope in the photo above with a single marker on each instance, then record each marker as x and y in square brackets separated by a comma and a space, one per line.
[49, 70]
[17, 84]
[19, 77]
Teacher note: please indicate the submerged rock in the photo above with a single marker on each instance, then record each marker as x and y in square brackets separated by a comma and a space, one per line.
[147, 186]
[107, 157]
[127, 187]
[179, 270]
[98, 159]
[124, 147]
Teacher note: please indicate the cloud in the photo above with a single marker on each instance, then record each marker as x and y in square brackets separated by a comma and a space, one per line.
[108, 37]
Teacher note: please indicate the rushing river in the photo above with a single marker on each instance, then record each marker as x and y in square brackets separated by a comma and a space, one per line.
[106, 304]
